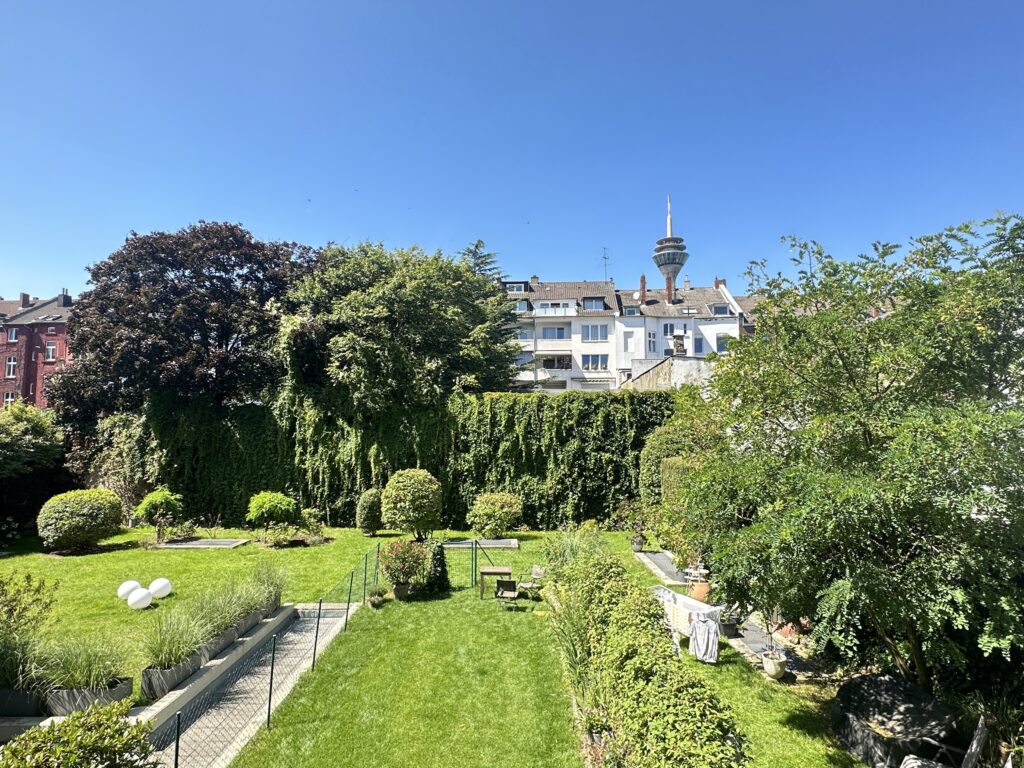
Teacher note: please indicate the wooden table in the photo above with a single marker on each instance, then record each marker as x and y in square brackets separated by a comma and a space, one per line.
[493, 570]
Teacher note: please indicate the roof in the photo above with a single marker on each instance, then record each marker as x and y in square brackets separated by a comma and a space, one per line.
[693, 302]
[55, 310]
[576, 290]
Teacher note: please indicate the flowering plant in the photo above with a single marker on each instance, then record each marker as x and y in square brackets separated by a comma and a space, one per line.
[403, 561]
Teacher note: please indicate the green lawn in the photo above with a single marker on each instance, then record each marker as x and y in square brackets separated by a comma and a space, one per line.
[86, 597]
[451, 682]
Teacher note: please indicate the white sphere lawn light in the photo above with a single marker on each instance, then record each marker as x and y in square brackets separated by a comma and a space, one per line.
[139, 599]
[127, 588]
[160, 587]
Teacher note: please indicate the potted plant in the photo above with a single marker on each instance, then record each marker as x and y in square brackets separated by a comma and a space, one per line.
[377, 597]
[25, 603]
[639, 540]
[730, 621]
[773, 659]
[401, 562]
[172, 650]
[76, 674]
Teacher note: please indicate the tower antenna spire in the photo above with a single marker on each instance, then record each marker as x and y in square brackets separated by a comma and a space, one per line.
[668, 222]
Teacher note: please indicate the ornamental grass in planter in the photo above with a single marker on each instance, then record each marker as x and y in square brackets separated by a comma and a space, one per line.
[171, 648]
[25, 603]
[75, 674]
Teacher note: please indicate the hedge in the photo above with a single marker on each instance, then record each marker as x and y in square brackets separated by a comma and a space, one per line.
[570, 457]
[654, 712]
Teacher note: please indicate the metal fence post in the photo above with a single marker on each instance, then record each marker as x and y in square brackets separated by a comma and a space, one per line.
[376, 564]
[472, 564]
[270, 693]
[177, 736]
[366, 563]
[348, 605]
[316, 633]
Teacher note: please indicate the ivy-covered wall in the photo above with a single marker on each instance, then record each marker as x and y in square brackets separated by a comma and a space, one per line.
[572, 456]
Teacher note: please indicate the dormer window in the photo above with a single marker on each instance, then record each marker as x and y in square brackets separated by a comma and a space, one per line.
[593, 303]
[631, 311]
[522, 306]
[515, 287]
[720, 309]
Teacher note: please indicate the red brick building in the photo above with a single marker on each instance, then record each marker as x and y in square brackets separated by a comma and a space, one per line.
[33, 345]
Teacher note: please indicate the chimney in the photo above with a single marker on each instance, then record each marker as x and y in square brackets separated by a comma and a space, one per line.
[719, 283]
[686, 283]
[670, 289]
[64, 300]
[643, 290]
[534, 279]
[25, 301]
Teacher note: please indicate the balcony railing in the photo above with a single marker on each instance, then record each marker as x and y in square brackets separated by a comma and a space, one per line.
[555, 312]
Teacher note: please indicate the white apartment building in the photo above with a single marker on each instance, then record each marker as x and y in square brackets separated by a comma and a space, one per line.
[591, 335]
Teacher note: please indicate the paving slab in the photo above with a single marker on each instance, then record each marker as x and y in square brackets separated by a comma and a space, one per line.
[661, 565]
[204, 544]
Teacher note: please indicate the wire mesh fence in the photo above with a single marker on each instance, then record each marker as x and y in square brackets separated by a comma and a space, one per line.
[211, 729]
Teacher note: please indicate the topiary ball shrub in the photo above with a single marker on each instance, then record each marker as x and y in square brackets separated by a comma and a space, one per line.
[492, 514]
[161, 509]
[268, 508]
[411, 502]
[79, 519]
[368, 512]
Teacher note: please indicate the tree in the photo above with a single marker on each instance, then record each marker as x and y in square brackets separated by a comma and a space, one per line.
[481, 261]
[382, 333]
[411, 502]
[875, 448]
[28, 440]
[186, 314]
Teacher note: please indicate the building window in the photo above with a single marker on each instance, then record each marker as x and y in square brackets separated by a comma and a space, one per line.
[12, 334]
[560, 363]
[515, 287]
[51, 330]
[11, 368]
[554, 304]
[627, 341]
[595, 362]
[632, 311]
[698, 345]
[522, 306]
[31, 388]
[524, 334]
[553, 332]
[593, 303]
[722, 341]
[51, 351]
[667, 352]
[595, 333]
[8, 399]
[652, 342]
[669, 328]
[720, 309]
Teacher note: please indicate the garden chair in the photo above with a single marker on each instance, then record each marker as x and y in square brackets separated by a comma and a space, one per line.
[532, 584]
[971, 756]
[506, 592]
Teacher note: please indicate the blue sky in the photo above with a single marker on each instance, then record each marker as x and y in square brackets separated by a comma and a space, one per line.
[551, 130]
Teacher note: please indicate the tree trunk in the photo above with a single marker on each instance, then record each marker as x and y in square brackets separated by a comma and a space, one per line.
[923, 674]
[892, 648]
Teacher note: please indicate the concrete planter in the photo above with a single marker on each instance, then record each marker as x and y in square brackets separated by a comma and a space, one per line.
[19, 703]
[402, 591]
[64, 701]
[730, 628]
[213, 647]
[774, 664]
[156, 682]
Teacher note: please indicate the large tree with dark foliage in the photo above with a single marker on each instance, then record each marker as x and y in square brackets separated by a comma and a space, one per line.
[187, 313]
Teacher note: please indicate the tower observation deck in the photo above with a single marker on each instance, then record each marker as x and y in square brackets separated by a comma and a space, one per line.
[670, 255]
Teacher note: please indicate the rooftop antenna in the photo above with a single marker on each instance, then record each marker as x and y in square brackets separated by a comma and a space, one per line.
[604, 258]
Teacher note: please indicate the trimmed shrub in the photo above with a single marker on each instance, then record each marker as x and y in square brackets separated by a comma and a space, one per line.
[269, 507]
[368, 512]
[95, 736]
[492, 514]
[655, 712]
[161, 509]
[79, 518]
[673, 475]
[411, 502]
[403, 561]
[436, 581]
